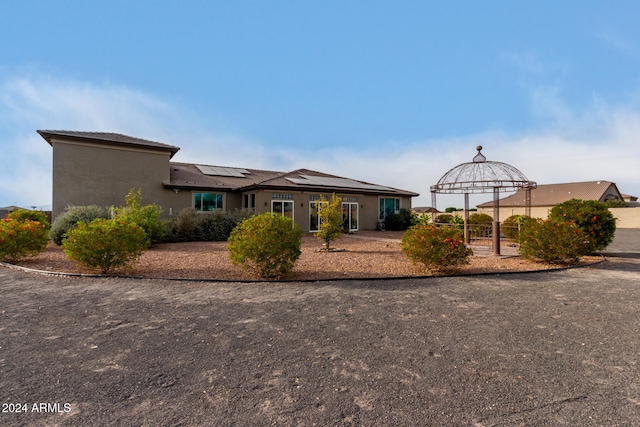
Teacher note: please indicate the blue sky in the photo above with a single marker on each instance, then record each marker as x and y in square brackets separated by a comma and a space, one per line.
[390, 92]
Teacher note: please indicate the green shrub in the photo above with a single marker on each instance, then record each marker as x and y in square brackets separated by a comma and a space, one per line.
[480, 218]
[147, 217]
[615, 203]
[105, 244]
[592, 217]
[553, 241]
[184, 227]
[437, 248]
[480, 225]
[21, 238]
[37, 216]
[192, 226]
[400, 221]
[444, 219]
[70, 218]
[267, 244]
[512, 226]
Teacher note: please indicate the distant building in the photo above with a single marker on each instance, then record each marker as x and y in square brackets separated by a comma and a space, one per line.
[545, 197]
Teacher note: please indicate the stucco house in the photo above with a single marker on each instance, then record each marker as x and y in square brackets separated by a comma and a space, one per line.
[100, 168]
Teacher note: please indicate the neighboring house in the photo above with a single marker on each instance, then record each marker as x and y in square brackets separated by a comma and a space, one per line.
[100, 168]
[545, 197]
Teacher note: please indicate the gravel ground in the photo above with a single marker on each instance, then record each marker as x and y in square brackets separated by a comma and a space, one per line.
[527, 349]
[550, 348]
[364, 255]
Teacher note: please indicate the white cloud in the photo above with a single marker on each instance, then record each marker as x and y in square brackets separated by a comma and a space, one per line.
[598, 142]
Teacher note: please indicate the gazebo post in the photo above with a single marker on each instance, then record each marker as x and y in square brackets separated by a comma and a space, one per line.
[467, 232]
[496, 220]
[433, 205]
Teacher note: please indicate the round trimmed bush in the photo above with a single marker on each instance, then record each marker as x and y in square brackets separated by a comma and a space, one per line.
[24, 215]
[592, 217]
[266, 244]
[437, 248]
[20, 239]
[553, 241]
[105, 244]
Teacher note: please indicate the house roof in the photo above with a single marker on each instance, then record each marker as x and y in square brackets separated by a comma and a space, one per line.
[191, 176]
[108, 138]
[224, 178]
[425, 209]
[552, 194]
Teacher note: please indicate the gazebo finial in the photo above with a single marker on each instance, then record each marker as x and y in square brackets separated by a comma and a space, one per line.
[479, 158]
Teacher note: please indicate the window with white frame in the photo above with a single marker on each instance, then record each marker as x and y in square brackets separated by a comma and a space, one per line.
[350, 215]
[282, 207]
[205, 202]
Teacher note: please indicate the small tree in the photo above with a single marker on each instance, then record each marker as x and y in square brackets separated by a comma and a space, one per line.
[330, 216]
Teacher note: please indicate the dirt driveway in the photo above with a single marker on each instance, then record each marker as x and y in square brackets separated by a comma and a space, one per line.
[553, 348]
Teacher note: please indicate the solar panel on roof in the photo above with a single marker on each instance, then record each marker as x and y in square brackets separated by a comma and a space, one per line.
[222, 171]
[335, 182]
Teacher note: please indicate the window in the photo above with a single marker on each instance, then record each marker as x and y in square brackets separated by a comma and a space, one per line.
[350, 216]
[388, 206]
[314, 218]
[249, 201]
[205, 202]
[282, 207]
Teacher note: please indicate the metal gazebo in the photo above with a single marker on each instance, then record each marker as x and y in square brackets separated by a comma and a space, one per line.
[482, 176]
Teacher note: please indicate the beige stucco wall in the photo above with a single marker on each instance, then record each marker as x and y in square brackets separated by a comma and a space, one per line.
[88, 173]
[368, 206]
[627, 217]
[91, 173]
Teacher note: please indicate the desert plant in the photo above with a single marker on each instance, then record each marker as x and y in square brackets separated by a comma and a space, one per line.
[191, 226]
[331, 226]
[513, 225]
[615, 203]
[554, 242]
[267, 244]
[147, 216]
[480, 218]
[21, 238]
[437, 248]
[37, 216]
[444, 219]
[70, 218]
[592, 217]
[400, 221]
[105, 244]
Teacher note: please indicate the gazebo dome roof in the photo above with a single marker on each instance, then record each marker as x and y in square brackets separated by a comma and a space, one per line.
[482, 176]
